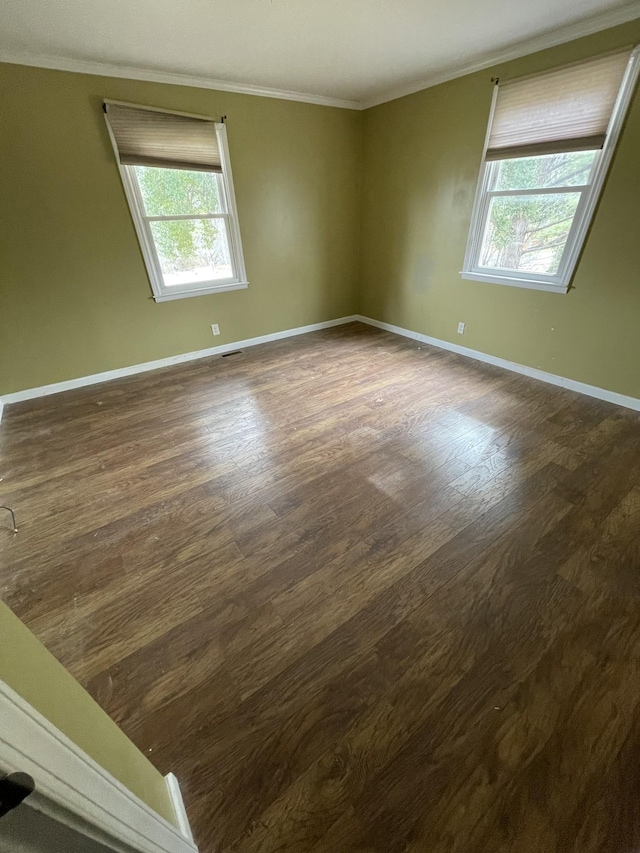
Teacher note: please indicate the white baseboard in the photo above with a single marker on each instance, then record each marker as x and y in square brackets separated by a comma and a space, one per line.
[534, 373]
[108, 375]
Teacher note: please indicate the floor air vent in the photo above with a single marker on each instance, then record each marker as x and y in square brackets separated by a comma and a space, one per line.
[235, 352]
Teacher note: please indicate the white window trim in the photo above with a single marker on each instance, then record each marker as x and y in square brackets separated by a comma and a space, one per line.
[162, 293]
[590, 196]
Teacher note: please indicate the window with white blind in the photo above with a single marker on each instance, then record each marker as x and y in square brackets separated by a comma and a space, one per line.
[549, 143]
[177, 179]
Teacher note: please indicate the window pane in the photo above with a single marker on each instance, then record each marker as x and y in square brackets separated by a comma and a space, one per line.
[192, 250]
[176, 192]
[528, 233]
[549, 170]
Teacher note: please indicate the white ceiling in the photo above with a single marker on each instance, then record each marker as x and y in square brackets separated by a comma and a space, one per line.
[357, 51]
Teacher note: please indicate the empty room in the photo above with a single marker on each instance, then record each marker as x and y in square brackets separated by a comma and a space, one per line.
[320, 426]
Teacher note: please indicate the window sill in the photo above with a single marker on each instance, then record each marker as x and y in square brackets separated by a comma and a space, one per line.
[201, 291]
[530, 284]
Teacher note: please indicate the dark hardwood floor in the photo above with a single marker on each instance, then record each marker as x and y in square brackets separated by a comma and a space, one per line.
[359, 594]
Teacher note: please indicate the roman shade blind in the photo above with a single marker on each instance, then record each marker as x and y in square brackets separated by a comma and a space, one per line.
[564, 110]
[149, 137]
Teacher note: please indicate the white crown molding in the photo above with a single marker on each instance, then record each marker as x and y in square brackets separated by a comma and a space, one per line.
[108, 375]
[570, 32]
[77, 792]
[104, 69]
[532, 372]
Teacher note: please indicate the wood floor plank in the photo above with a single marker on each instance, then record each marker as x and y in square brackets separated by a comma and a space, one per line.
[358, 593]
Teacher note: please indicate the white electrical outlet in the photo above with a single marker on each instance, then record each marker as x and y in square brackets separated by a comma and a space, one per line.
[215, 328]
[460, 329]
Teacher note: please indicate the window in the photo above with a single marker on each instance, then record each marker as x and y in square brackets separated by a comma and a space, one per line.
[549, 144]
[177, 178]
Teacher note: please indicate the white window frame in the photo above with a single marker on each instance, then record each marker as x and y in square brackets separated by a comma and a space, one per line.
[141, 222]
[590, 194]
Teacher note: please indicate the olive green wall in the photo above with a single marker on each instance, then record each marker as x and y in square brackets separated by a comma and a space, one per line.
[28, 668]
[421, 160]
[74, 295]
